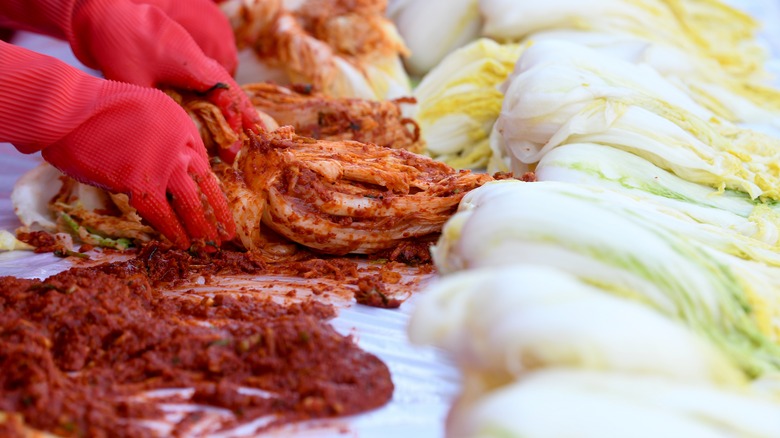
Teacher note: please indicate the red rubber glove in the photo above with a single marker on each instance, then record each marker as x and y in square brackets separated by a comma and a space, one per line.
[203, 20]
[136, 41]
[120, 137]
[200, 18]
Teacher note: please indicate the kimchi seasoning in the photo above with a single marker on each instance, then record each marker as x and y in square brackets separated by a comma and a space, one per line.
[344, 275]
[80, 350]
[42, 241]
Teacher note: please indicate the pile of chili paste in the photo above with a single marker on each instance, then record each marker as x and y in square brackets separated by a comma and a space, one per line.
[102, 351]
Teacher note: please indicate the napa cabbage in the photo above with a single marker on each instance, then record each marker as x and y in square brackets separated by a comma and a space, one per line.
[459, 101]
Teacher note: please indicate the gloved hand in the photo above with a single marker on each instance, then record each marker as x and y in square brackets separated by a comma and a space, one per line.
[202, 20]
[120, 137]
[136, 41]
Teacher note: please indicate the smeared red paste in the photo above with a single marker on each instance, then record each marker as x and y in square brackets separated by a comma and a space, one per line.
[77, 348]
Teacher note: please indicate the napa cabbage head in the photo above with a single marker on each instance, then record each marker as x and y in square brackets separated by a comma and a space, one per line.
[563, 93]
[458, 22]
[385, 77]
[587, 404]
[629, 247]
[703, 28]
[732, 97]
[733, 212]
[504, 322]
[459, 100]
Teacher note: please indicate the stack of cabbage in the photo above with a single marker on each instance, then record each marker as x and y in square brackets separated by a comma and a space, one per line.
[634, 289]
[704, 47]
